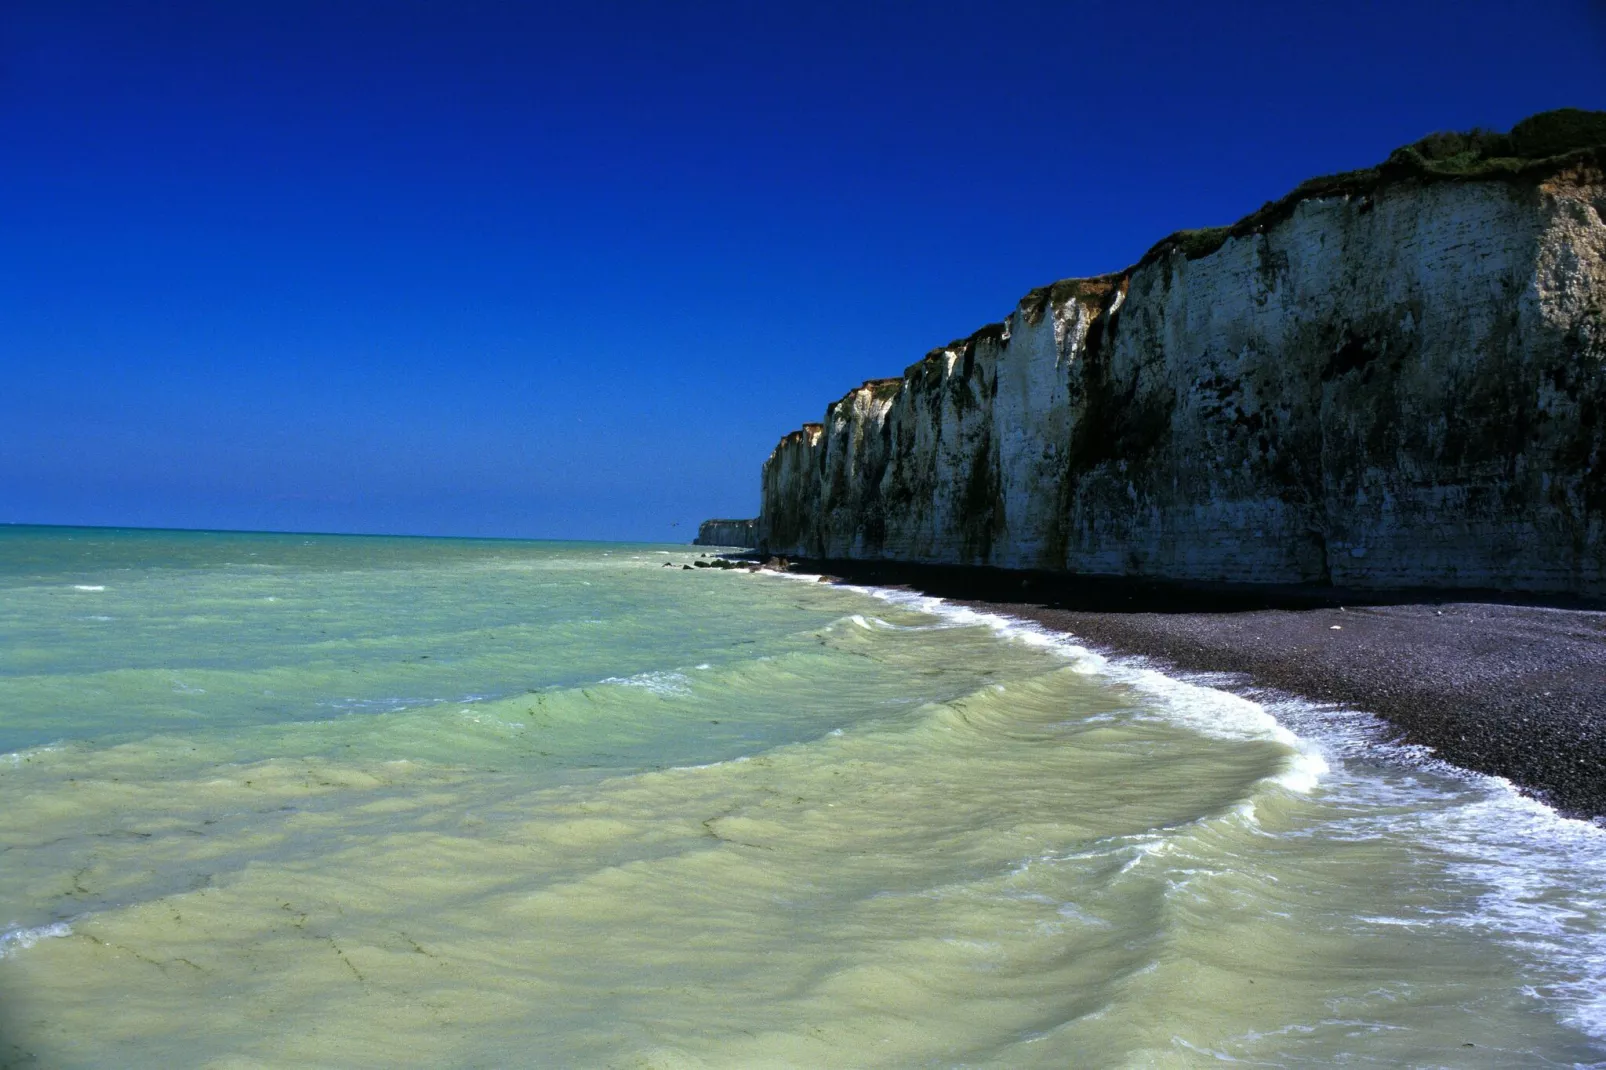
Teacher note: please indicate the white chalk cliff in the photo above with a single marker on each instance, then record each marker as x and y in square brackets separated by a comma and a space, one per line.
[1391, 378]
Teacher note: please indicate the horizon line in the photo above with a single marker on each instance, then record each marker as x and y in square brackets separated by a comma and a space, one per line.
[319, 534]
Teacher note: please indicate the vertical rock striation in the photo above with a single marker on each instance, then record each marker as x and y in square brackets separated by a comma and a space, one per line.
[1391, 378]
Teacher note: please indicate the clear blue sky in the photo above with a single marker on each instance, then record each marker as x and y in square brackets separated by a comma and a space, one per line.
[569, 270]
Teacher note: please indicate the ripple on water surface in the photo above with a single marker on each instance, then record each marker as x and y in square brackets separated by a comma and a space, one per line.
[642, 817]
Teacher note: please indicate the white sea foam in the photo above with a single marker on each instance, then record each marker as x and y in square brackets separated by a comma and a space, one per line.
[20, 756]
[18, 939]
[877, 624]
[469, 714]
[738, 760]
[659, 682]
[88, 587]
[1545, 885]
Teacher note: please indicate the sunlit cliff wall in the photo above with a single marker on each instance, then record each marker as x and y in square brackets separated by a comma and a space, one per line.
[1374, 383]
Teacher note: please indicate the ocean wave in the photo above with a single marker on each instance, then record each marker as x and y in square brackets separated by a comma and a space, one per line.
[1203, 709]
[877, 624]
[1543, 876]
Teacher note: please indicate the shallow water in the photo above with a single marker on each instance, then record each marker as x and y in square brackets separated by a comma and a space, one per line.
[319, 801]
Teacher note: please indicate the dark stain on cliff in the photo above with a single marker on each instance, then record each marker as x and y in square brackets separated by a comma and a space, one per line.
[979, 505]
[1118, 420]
[1353, 355]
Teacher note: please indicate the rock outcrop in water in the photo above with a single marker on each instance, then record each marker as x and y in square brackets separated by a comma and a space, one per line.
[1394, 377]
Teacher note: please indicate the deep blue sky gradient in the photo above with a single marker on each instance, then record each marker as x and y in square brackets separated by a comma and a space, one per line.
[569, 270]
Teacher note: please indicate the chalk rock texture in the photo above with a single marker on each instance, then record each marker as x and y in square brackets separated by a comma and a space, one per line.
[1402, 386]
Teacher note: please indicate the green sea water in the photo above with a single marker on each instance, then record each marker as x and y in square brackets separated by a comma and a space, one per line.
[316, 801]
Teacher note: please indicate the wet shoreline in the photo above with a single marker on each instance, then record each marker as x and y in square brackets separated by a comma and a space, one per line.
[1507, 685]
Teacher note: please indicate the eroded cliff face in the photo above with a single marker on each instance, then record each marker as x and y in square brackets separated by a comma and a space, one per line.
[1403, 386]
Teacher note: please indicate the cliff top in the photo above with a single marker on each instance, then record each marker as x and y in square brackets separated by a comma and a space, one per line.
[1535, 149]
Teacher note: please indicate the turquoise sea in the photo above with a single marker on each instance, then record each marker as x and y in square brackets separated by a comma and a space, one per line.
[323, 801]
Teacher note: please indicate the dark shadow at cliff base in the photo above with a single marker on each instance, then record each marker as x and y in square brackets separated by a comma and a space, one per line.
[1121, 594]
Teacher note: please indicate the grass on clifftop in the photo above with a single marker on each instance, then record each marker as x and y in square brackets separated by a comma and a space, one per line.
[1538, 146]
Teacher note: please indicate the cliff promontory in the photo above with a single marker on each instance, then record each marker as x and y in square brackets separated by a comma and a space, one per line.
[1394, 377]
[739, 533]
